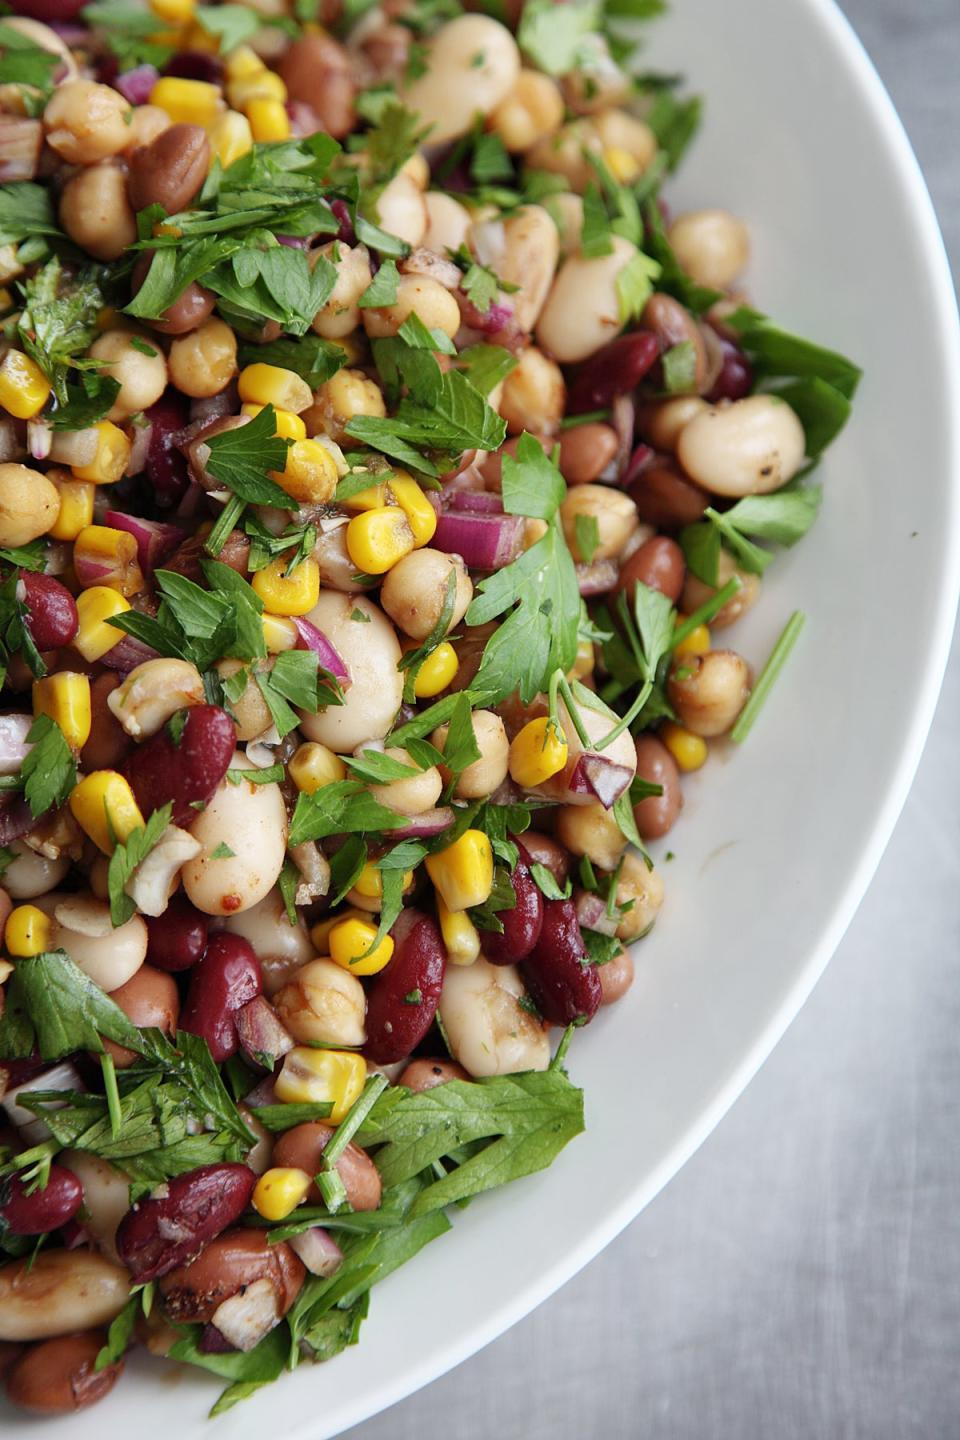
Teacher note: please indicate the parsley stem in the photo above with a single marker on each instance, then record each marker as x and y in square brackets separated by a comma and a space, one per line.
[226, 522]
[768, 676]
[705, 612]
[111, 1092]
[557, 1062]
[563, 685]
[627, 719]
[328, 1181]
[570, 422]
[332, 1189]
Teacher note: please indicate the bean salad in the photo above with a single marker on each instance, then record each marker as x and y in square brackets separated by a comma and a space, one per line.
[383, 463]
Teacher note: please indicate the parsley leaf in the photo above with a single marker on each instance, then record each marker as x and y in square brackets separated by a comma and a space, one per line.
[595, 234]
[233, 25]
[634, 286]
[53, 1004]
[24, 62]
[313, 359]
[49, 772]
[458, 419]
[783, 517]
[382, 289]
[553, 36]
[127, 856]
[241, 458]
[345, 806]
[26, 210]
[532, 484]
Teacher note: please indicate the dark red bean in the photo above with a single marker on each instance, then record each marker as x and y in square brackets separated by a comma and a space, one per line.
[403, 999]
[521, 924]
[59, 1376]
[221, 983]
[736, 374]
[177, 938]
[51, 610]
[168, 1229]
[166, 467]
[658, 563]
[196, 65]
[43, 1210]
[51, 12]
[667, 499]
[615, 370]
[187, 771]
[563, 987]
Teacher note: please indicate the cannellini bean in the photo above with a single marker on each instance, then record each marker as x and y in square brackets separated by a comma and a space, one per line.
[455, 88]
[249, 821]
[532, 111]
[83, 929]
[409, 797]
[152, 693]
[58, 1291]
[30, 874]
[280, 946]
[401, 211]
[106, 1197]
[522, 250]
[448, 222]
[323, 1002]
[713, 246]
[566, 212]
[749, 447]
[341, 314]
[582, 311]
[371, 651]
[489, 1031]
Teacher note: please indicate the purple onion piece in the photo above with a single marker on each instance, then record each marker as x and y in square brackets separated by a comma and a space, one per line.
[211, 1342]
[127, 654]
[13, 742]
[262, 1094]
[261, 1033]
[155, 539]
[318, 1250]
[135, 85]
[637, 463]
[425, 825]
[598, 578]
[313, 639]
[345, 234]
[604, 779]
[592, 913]
[480, 502]
[16, 819]
[485, 542]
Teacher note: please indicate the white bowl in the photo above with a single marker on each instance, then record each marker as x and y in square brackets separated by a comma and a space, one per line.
[779, 839]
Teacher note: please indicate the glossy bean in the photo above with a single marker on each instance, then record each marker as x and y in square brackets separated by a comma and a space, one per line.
[26, 1212]
[243, 835]
[58, 1291]
[488, 1023]
[186, 772]
[424, 1074]
[51, 610]
[586, 451]
[232, 1261]
[614, 370]
[667, 499]
[394, 1025]
[709, 691]
[564, 988]
[170, 170]
[106, 1197]
[697, 593]
[521, 924]
[220, 984]
[673, 325]
[178, 937]
[302, 1148]
[59, 1377]
[472, 64]
[188, 311]
[616, 977]
[169, 1228]
[749, 447]
[582, 313]
[316, 70]
[656, 814]
[659, 564]
[149, 999]
[371, 651]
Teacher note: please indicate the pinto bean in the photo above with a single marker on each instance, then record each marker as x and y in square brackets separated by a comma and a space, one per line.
[170, 170]
[616, 977]
[187, 312]
[394, 1026]
[423, 1075]
[149, 998]
[58, 1377]
[543, 850]
[170, 1227]
[667, 499]
[586, 451]
[673, 325]
[231, 1262]
[656, 815]
[316, 70]
[563, 987]
[659, 564]
[302, 1148]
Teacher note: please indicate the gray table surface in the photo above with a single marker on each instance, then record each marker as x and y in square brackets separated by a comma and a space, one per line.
[800, 1278]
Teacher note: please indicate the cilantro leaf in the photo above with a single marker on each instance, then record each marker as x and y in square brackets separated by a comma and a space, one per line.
[595, 234]
[49, 772]
[24, 62]
[127, 856]
[233, 25]
[459, 419]
[487, 365]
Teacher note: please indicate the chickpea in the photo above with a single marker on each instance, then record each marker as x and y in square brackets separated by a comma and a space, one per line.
[340, 315]
[532, 111]
[339, 400]
[487, 774]
[644, 888]
[146, 123]
[618, 130]
[661, 422]
[204, 362]
[416, 295]
[564, 153]
[415, 591]
[410, 796]
[616, 977]
[29, 504]
[592, 831]
[534, 394]
[142, 377]
[749, 447]
[696, 593]
[615, 515]
[323, 1002]
[401, 209]
[598, 81]
[447, 222]
[250, 711]
[709, 691]
[95, 211]
[86, 122]
[713, 246]
[582, 311]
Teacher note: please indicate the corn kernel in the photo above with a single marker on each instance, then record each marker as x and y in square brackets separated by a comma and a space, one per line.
[369, 883]
[689, 750]
[27, 932]
[459, 934]
[279, 633]
[264, 84]
[288, 426]
[375, 497]
[241, 62]
[230, 137]
[111, 555]
[110, 461]
[23, 386]
[269, 120]
[173, 12]
[696, 643]
[622, 165]
[65, 697]
[437, 671]
[537, 752]
[103, 806]
[196, 37]
[349, 943]
[312, 766]
[76, 506]
[309, 474]
[262, 384]
[279, 1191]
[187, 102]
[320, 933]
[420, 514]
[318, 1076]
[462, 874]
[95, 608]
[288, 594]
[584, 663]
[377, 539]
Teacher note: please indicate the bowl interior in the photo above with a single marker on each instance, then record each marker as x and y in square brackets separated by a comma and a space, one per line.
[778, 839]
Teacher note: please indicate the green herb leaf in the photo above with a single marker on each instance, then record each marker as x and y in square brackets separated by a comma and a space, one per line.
[553, 36]
[241, 458]
[313, 359]
[382, 289]
[49, 772]
[634, 286]
[127, 855]
[51, 1002]
[532, 484]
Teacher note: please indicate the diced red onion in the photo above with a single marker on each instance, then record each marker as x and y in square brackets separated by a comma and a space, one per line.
[127, 654]
[155, 538]
[425, 825]
[262, 1094]
[16, 819]
[304, 120]
[598, 578]
[637, 463]
[39, 436]
[212, 1342]
[212, 407]
[73, 1235]
[139, 450]
[604, 779]
[592, 913]
[480, 502]
[74, 447]
[497, 316]
[261, 1032]
[484, 541]
[341, 211]
[135, 85]
[623, 416]
[13, 742]
[313, 639]
[295, 242]
[319, 1252]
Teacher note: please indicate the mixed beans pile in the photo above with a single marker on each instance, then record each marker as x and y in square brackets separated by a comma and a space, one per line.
[268, 803]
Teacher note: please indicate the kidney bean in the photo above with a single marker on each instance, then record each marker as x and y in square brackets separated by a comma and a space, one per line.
[196, 65]
[35, 1213]
[187, 312]
[316, 71]
[615, 370]
[185, 1214]
[51, 610]
[423, 1075]
[563, 987]
[150, 999]
[521, 924]
[394, 1025]
[221, 983]
[230, 1263]
[59, 1376]
[302, 1148]
[166, 467]
[667, 499]
[186, 772]
[656, 815]
[586, 451]
[51, 12]
[735, 379]
[673, 325]
[178, 937]
[186, 559]
[8, 1353]
[658, 563]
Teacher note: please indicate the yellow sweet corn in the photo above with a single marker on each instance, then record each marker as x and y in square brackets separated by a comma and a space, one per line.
[279, 1191]
[196, 37]
[459, 934]
[65, 697]
[696, 643]
[375, 497]
[173, 12]
[27, 932]
[263, 84]
[230, 137]
[110, 461]
[268, 120]
[321, 1076]
[288, 594]
[262, 384]
[187, 102]
[110, 555]
[349, 942]
[312, 766]
[279, 633]
[689, 750]
[23, 386]
[584, 663]
[462, 874]
[377, 539]
[103, 806]
[76, 506]
[537, 752]
[287, 425]
[95, 608]
[320, 933]
[369, 883]
[622, 165]
[420, 514]
[242, 62]
[310, 472]
[436, 672]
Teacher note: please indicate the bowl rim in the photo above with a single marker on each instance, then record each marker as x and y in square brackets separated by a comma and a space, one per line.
[839, 33]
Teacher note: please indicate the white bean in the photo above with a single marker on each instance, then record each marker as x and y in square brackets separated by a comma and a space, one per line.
[280, 946]
[582, 311]
[106, 1197]
[324, 1002]
[522, 250]
[109, 956]
[30, 874]
[401, 211]
[371, 652]
[472, 64]
[249, 821]
[447, 222]
[713, 246]
[58, 1291]
[750, 447]
[489, 1031]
